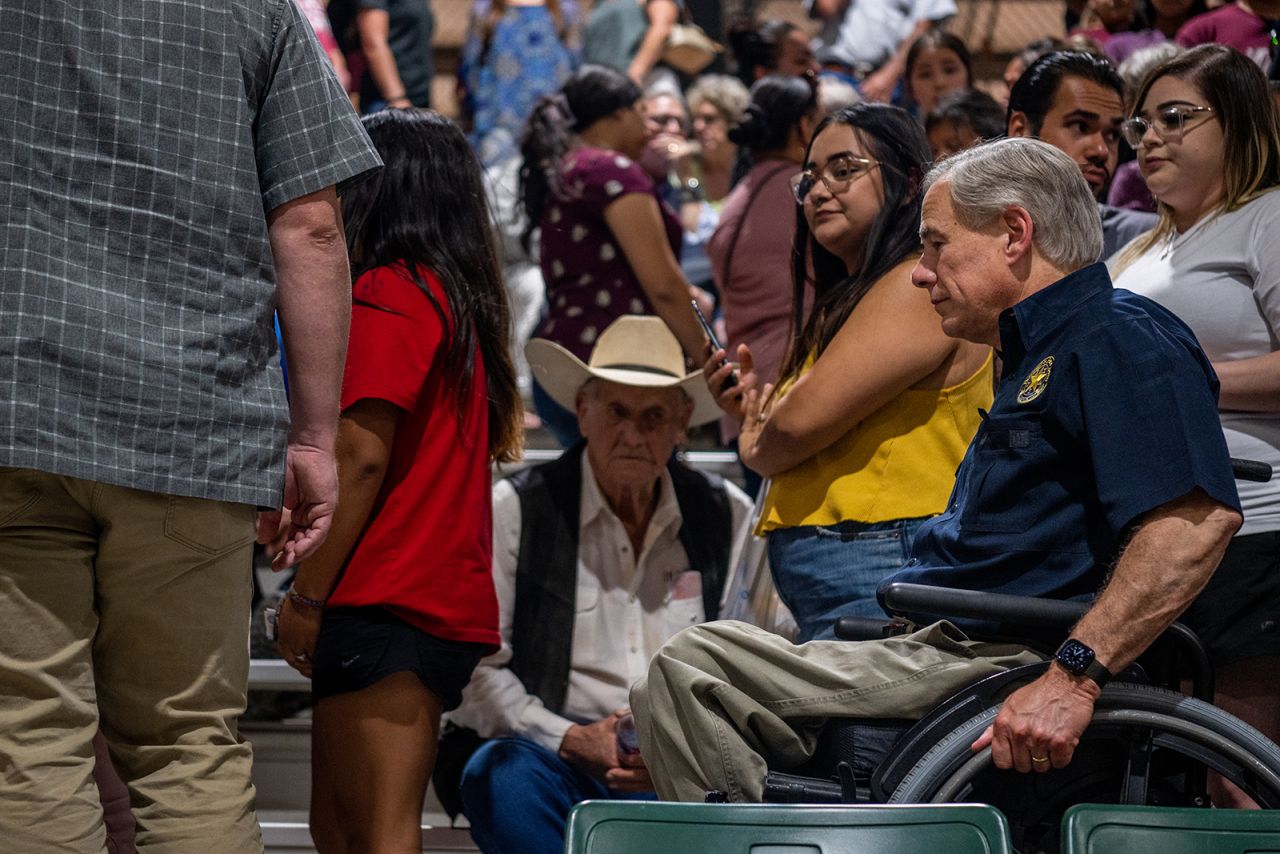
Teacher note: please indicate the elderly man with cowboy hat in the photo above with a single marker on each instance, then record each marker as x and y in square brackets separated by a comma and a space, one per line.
[599, 557]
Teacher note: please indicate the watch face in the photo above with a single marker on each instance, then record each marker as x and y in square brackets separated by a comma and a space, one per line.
[1075, 656]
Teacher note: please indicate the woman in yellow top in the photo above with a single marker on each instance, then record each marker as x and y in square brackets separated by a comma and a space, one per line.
[876, 405]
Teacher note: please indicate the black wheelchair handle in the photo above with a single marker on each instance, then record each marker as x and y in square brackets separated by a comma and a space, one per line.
[903, 598]
[1250, 470]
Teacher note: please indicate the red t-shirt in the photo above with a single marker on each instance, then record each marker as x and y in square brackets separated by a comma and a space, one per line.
[427, 550]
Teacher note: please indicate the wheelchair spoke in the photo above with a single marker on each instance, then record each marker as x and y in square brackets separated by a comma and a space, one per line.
[1137, 768]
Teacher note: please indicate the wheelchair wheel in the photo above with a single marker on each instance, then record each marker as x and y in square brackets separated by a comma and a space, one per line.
[1145, 746]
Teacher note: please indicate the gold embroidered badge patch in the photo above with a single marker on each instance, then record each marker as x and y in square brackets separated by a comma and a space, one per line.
[1034, 385]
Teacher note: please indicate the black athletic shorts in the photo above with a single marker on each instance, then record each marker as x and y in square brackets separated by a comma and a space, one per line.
[1238, 614]
[359, 646]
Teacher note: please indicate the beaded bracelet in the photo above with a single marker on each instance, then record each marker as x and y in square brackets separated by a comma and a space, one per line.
[298, 599]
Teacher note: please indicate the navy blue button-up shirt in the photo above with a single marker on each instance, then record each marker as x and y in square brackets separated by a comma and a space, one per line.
[1107, 408]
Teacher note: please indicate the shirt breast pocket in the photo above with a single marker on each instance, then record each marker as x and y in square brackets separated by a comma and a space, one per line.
[1011, 457]
[586, 596]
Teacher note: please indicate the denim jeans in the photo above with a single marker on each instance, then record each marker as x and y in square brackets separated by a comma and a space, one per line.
[824, 572]
[517, 796]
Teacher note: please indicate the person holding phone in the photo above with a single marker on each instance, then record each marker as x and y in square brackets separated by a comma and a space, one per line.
[608, 243]
[875, 405]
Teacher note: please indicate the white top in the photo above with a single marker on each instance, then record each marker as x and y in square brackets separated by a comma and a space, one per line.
[627, 607]
[1222, 278]
[871, 30]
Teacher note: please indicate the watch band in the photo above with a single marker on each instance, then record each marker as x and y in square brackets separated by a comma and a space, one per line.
[1098, 673]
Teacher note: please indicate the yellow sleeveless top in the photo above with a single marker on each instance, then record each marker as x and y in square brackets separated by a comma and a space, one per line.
[899, 463]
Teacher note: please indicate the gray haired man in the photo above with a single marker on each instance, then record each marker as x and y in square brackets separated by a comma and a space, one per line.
[1087, 460]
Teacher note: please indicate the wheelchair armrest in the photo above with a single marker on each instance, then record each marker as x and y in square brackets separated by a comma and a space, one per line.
[1250, 470]
[867, 628]
[903, 598]
[943, 602]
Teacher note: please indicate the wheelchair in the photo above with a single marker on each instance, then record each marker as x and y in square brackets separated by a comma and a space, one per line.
[1148, 744]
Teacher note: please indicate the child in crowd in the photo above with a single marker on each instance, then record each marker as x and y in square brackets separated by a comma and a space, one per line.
[393, 612]
[938, 63]
[962, 120]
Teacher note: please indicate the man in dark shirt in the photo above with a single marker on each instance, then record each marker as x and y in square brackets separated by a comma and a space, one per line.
[394, 38]
[1074, 101]
[1102, 451]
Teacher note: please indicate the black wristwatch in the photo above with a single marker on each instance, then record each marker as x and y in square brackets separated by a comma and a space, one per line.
[1079, 660]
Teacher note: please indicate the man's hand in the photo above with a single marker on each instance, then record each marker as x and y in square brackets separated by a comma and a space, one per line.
[1041, 721]
[662, 154]
[310, 497]
[593, 749]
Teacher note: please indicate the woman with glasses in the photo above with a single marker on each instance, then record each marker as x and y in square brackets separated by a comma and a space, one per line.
[876, 406]
[1208, 142]
[750, 250]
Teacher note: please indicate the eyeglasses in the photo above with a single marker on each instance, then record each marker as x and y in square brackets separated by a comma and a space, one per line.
[668, 121]
[1169, 123]
[837, 175]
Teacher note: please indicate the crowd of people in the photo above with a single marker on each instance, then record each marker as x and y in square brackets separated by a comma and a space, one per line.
[886, 283]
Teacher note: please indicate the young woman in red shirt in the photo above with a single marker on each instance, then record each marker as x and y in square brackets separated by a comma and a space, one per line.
[394, 611]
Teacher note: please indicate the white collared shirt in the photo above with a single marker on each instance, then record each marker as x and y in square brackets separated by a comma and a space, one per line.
[627, 606]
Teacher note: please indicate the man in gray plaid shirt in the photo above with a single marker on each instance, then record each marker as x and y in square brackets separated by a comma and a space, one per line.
[169, 172]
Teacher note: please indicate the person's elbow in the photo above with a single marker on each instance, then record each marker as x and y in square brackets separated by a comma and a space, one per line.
[313, 220]
[1225, 521]
[363, 461]
[1213, 524]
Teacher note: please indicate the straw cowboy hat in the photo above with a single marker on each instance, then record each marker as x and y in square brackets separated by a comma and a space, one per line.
[635, 350]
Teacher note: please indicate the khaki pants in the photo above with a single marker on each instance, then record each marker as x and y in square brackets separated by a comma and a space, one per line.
[725, 701]
[134, 604]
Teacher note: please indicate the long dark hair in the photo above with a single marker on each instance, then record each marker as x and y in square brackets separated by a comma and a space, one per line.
[938, 40]
[427, 209]
[757, 46]
[892, 137]
[778, 103]
[591, 93]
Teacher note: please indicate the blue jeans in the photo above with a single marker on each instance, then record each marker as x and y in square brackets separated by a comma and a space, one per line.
[823, 572]
[560, 422]
[517, 796]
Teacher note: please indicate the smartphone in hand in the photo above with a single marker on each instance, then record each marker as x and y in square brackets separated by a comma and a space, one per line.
[715, 343]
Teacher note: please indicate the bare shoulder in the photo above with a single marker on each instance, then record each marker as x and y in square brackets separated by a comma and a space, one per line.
[894, 298]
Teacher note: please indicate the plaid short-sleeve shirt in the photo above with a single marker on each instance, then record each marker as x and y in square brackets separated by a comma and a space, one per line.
[142, 145]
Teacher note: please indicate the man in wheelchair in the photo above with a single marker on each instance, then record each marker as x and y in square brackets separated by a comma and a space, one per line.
[1101, 466]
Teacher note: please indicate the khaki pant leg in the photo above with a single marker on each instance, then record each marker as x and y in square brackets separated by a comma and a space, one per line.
[48, 715]
[172, 662]
[725, 701]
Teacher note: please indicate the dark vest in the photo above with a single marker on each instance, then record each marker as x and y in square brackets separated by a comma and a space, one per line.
[547, 570]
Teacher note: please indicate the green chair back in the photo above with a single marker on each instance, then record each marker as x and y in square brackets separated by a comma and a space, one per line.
[647, 827]
[1107, 829]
